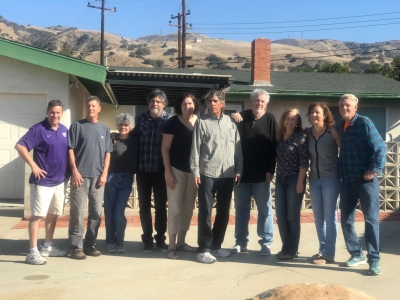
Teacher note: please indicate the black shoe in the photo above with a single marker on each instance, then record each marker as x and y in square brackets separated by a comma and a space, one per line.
[148, 247]
[92, 251]
[162, 246]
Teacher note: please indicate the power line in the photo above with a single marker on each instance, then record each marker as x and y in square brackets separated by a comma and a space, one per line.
[159, 4]
[297, 26]
[274, 60]
[288, 31]
[298, 21]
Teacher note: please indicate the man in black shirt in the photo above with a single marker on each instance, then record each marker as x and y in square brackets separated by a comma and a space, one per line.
[258, 135]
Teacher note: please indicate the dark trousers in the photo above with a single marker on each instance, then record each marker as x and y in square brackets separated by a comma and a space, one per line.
[211, 238]
[146, 183]
[368, 194]
[287, 209]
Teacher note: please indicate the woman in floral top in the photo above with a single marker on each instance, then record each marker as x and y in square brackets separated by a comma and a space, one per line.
[292, 165]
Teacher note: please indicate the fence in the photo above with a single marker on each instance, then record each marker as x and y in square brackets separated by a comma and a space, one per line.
[389, 185]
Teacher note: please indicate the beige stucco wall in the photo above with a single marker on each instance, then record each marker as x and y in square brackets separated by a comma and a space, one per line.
[21, 77]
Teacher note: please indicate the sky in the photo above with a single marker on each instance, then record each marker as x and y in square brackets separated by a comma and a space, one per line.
[362, 21]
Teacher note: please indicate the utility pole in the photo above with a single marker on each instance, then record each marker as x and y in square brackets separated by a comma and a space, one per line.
[102, 8]
[179, 16]
[184, 14]
[182, 26]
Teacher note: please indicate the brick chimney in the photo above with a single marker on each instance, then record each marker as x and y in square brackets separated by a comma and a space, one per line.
[261, 62]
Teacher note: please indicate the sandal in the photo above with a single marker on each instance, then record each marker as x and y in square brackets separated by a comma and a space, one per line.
[316, 256]
[172, 254]
[186, 248]
[323, 261]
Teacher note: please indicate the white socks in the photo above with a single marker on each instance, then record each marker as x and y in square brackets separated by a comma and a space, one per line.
[47, 245]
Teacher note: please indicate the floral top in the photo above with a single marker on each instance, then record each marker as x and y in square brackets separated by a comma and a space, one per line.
[292, 155]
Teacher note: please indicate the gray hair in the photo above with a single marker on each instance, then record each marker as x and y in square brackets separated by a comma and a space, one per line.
[257, 92]
[93, 98]
[219, 93]
[158, 93]
[127, 119]
[350, 97]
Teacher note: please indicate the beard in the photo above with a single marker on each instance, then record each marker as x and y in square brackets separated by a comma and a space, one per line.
[156, 111]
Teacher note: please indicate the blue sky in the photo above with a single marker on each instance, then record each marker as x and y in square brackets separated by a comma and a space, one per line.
[354, 20]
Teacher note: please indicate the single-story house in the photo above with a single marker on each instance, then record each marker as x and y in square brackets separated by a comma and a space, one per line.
[31, 77]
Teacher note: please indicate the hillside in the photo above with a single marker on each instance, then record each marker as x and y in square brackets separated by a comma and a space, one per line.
[160, 50]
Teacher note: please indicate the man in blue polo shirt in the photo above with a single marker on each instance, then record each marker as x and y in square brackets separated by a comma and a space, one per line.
[49, 141]
[361, 160]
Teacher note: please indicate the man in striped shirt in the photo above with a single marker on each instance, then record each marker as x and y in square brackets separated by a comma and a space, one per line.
[216, 164]
[361, 160]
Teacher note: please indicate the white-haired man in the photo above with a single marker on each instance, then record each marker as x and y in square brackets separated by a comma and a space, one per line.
[258, 134]
[361, 160]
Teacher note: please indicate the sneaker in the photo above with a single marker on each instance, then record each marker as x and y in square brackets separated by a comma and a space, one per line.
[238, 248]
[148, 247]
[34, 258]
[265, 250]
[78, 254]
[112, 248]
[374, 268]
[206, 258]
[355, 261]
[92, 251]
[52, 251]
[121, 249]
[162, 246]
[221, 253]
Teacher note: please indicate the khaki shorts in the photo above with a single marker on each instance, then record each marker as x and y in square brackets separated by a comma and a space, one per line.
[46, 199]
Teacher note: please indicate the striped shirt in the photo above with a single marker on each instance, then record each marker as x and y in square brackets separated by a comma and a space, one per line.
[216, 150]
[361, 149]
[150, 134]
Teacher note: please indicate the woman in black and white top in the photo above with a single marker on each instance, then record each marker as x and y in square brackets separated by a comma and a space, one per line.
[323, 143]
[175, 149]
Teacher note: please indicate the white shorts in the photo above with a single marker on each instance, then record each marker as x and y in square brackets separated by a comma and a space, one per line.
[46, 200]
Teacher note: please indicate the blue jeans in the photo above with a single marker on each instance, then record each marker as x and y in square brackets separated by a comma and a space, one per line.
[368, 193]
[287, 207]
[265, 224]
[324, 194]
[116, 194]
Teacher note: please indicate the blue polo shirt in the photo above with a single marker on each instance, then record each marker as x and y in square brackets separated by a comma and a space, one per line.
[50, 148]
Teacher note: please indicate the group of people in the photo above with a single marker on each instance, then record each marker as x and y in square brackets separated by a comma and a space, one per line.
[187, 156]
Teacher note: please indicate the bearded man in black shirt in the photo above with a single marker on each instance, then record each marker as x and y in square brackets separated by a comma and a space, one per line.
[258, 135]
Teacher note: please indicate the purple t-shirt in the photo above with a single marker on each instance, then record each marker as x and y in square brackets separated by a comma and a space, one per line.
[50, 148]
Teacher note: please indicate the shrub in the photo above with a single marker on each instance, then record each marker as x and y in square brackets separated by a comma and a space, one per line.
[143, 51]
[111, 53]
[170, 51]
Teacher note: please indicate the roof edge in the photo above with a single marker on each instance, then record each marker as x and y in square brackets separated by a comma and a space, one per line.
[54, 61]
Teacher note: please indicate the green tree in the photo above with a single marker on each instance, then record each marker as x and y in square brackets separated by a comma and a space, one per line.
[396, 67]
[384, 70]
[335, 68]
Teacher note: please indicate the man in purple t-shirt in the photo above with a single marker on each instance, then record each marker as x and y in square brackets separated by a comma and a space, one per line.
[49, 141]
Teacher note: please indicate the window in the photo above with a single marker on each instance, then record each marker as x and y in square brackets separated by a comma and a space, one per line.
[376, 114]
